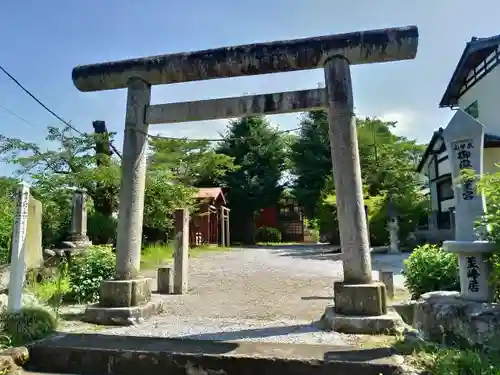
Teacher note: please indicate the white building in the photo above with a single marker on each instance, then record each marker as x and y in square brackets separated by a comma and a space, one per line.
[475, 88]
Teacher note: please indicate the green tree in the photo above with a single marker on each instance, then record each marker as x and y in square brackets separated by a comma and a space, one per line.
[310, 160]
[192, 163]
[388, 169]
[7, 213]
[176, 167]
[260, 152]
[72, 162]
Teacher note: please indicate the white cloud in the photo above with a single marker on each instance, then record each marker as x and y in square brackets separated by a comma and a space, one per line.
[413, 124]
[197, 130]
[406, 123]
[212, 129]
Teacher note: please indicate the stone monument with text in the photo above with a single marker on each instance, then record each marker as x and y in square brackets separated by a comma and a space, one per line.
[78, 229]
[464, 137]
[17, 260]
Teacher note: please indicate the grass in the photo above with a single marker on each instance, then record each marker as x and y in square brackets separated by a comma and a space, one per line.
[434, 359]
[155, 255]
[47, 290]
[440, 360]
[54, 290]
[29, 324]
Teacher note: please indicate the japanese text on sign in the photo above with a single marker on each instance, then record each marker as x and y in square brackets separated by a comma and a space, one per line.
[22, 212]
[473, 274]
[463, 153]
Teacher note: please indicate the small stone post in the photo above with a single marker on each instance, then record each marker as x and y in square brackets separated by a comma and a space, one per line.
[357, 294]
[17, 263]
[225, 235]
[228, 230]
[78, 230]
[464, 137]
[387, 277]
[164, 280]
[222, 227]
[181, 251]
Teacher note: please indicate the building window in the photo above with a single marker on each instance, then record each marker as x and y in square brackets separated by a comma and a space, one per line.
[444, 220]
[473, 109]
[445, 190]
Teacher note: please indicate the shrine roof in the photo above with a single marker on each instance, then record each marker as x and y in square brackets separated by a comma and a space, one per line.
[210, 193]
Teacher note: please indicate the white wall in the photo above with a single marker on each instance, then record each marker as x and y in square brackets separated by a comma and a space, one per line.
[486, 92]
[434, 196]
[491, 156]
[444, 167]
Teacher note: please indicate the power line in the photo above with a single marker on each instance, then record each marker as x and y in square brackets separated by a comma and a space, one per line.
[39, 102]
[48, 109]
[16, 115]
[214, 139]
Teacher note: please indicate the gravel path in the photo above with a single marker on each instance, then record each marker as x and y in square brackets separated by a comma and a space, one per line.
[253, 294]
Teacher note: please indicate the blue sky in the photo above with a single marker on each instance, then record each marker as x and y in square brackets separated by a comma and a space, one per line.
[43, 40]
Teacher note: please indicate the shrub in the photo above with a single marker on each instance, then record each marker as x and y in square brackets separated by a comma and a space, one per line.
[7, 213]
[101, 228]
[29, 324]
[267, 234]
[52, 289]
[87, 272]
[56, 218]
[495, 274]
[489, 185]
[411, 210]
[428, 269]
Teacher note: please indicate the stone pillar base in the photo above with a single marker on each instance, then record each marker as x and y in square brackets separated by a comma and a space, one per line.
[360, 299]
[123, 302]
[387, 324]
[361, 309]
[125, 293]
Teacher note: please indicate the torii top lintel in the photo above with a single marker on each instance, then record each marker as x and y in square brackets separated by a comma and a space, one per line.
[362, 47]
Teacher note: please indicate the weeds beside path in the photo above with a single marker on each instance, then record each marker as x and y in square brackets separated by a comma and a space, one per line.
[156, 255]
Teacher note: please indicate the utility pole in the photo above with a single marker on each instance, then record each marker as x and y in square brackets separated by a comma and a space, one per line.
[102, 145]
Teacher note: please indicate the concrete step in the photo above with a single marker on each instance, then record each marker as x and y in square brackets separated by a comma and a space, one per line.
[108, 354]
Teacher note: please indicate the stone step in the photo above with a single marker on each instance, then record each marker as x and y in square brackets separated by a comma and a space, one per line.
[108, 354]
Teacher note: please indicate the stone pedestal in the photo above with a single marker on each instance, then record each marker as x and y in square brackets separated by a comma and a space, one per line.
[387, 324]
[475, 270]
[448, 316]
[125, 293]
[123, 302]
[360, 299]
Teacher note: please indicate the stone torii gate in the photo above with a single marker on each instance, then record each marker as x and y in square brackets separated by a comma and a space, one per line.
[358, 295]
